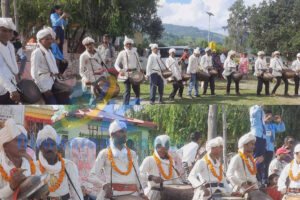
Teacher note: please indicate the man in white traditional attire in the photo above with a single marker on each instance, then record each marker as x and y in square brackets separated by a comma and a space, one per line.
[174, 67]
[291, 172]
[90, 63]
[260, 68]
[128, 62]
[277, 68]
[192, 69]
[242, 170]
[207, 64]
[13, 157]
[62, 174]
[296, 68]
[8, 64]
[159, 168]
[119, 165]
[229, 69]
[207, 175]
[44, 70]
[154, 70]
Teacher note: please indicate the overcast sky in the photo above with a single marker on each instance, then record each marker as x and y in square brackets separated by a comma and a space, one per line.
[193, 12]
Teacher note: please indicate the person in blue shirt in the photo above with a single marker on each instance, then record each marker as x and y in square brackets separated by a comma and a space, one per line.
[272, 126]
[61, 61]
[58, 22]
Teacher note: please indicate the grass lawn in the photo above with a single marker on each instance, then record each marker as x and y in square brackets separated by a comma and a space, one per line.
[247, 89]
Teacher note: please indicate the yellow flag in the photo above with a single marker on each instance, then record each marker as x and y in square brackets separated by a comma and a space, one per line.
[212, 46]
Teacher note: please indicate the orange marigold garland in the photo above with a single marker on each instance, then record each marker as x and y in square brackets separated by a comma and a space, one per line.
[113, 164]
[291, 173]
[252, 171]
[8, 178]
[158, 162]
[211, 167]
[61, 174]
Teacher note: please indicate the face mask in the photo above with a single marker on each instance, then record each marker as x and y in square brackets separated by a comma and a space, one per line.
[119, 141]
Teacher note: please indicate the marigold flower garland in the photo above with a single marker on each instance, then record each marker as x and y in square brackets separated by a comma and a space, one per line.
[61, 174]
[8, 178]
[291, 173]
[113, 164]
[252, 171]
[158, 162]
[211, 167]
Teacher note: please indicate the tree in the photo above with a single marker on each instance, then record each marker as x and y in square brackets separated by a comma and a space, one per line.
[5, 8]
[212, 122]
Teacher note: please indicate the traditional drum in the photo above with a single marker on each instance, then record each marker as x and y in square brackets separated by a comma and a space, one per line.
[127, 197]
[30, 93]
[256, 194]
[292, 197]
[267, 76]
[166, 73]
[136, 78]
[202, 76]
[233, 198]
[288, 73]
[186, 77]
[33, 187]
[213, 71]
[177, 192]
[237, 76]
[105, 85]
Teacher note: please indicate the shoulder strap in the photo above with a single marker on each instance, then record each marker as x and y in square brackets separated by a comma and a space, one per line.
[127, 61]
[44, 54]
[141, 187]
[71, 182]
[138, 62]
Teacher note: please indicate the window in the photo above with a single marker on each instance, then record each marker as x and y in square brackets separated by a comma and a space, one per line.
[93, 129]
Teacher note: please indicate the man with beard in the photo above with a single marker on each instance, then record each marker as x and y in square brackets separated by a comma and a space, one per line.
[62, 174]
[107, 51]
[119, 165]
[207, 174]
[15, 163]
[159, 168]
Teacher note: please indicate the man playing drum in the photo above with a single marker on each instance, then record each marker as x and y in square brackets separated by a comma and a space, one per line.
[207, 176]
[242, 170]
[260, 69]
[207, 64]
[128, 62]
[90, 62]
[192, 69]
[277, 68]
[173, 66]
[159, 169]
[8, 64]
[289, 180]
[61, 174]
[15, 163]
[119, 165]
[229, 69]
[296, 68]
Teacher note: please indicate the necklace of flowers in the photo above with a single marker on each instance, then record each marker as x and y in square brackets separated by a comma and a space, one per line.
[291, 173]
[61, 174]
[252, 171]
[113, 164]
[158, 162]
[211, 167]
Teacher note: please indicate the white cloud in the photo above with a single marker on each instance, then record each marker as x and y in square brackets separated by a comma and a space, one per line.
[194, 13]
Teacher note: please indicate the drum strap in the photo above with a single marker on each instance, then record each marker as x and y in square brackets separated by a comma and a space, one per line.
[72, 184]
[141, 187]
[137, 60]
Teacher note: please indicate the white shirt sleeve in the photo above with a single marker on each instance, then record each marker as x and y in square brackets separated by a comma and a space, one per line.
[81, 68]
[95, 173]
[193, 177]
[190, 65]
[282, 178]
[74, 176]
[234, 165]
[36, 57]
[118, 61]
[149, 64]
[6, 192]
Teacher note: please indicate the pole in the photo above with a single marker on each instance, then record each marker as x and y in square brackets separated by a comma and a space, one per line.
[224, 138]
[212, 122]
[208, 30]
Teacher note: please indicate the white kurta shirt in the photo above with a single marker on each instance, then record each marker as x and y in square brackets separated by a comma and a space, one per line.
[7, 78]
[201, 174]
[149, 167]
[188, 153]
[278, 165]
[296, 66]
[277, 66]
[238, 173]
[194, 65]
[129, 61]
[222, 58]
[102, 163]
[206, 61]
[88, 65]
[173, 66]
[65, 187]
[41, 69]
[229, 67]
[154, 65]
[5, 191]
[285, 173]
[260, 65]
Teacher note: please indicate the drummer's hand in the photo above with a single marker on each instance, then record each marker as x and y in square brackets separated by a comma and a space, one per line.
[108, 191]
[17, 177]
[147, 78]
[236, 194]
[206, 192]
[143, 196]
[48, 93]
[15, 96]
[157, 179]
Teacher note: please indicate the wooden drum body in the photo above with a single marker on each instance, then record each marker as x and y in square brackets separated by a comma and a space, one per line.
[177, 192]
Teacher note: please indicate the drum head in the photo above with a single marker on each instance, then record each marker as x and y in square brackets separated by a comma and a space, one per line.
[167, 73]
[30, 93]
[213, 72]
[186, 77]
[177, 192]
[237, 76]
[136, 78]
[202, 76]
[268, 76]
[288, 73]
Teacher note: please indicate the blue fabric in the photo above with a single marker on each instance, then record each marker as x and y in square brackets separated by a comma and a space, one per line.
[50, 100]
[55, 20]
[60, 33]
[256, 121]
[260, 147]
[193, 82]
[23, 64]
[56, 52]
[274, 128]
[156, 81]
